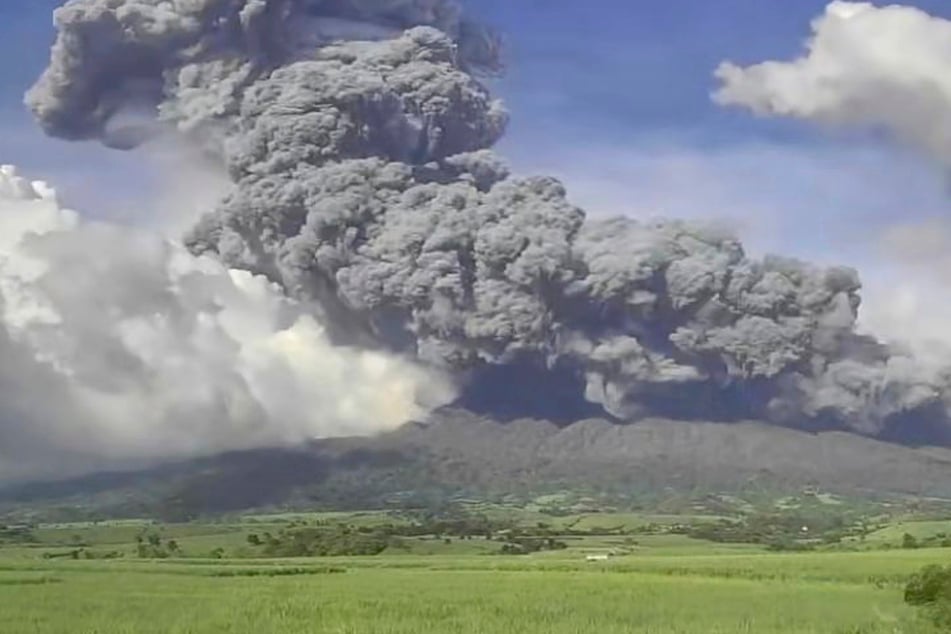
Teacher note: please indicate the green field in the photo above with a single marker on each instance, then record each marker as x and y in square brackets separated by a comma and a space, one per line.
[719, 593]
[654, 583]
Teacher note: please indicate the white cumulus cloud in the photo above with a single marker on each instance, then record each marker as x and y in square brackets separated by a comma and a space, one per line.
[867, 67]
[118, 347]
[881, 69]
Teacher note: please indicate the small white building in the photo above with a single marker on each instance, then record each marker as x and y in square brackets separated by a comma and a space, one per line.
[597, 557]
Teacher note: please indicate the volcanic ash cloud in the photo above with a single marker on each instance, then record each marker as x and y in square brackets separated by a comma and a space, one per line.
[358, 138]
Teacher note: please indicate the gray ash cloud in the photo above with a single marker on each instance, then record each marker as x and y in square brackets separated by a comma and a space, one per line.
[358, 135]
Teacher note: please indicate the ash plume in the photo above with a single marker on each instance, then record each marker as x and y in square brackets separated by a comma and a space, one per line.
[358, 137]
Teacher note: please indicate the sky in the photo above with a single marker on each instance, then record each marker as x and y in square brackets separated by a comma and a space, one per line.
[711, 111]
[615, 102]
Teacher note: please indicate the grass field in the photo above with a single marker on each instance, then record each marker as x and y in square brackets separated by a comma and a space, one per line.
[761, 594]
[665, 584]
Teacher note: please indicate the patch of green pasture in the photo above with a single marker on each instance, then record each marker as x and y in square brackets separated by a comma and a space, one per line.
[109, 534]
[405, 601]
[895, 531]
[354, 518]
[647, 591]
[667, 584]
[454, 547]
[628, 521]
[104, 523]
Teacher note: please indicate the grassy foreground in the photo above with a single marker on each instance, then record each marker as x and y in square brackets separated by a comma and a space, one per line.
[109, 577]
[765, 593]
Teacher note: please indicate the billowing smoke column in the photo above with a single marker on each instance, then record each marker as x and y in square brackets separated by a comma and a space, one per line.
[357, 132]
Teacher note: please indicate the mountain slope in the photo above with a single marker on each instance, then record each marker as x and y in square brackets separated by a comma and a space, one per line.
[456, 452]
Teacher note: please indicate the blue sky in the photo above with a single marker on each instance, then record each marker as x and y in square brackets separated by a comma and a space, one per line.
[614, 101]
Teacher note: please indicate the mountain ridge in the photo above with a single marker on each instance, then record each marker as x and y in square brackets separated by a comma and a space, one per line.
[455, 453]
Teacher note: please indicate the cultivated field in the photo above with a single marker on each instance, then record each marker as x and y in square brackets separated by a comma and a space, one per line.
[658, 583]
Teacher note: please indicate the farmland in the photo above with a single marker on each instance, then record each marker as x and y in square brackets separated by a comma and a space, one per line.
[217, 576]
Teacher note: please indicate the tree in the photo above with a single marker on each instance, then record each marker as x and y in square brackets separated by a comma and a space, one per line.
[909, 541]
[254, 540]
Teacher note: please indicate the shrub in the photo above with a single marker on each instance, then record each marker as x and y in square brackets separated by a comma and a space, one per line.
[931, 585]
[930, 589]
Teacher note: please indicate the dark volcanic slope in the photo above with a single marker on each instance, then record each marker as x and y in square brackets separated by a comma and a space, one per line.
[460, 452]
[464, 450]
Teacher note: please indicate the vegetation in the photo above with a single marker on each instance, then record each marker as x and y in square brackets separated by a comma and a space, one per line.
[149, 545]
[779, 530]
[16, 535]
[323, 542]
[478, 567]
[557, 593]
[931, 590]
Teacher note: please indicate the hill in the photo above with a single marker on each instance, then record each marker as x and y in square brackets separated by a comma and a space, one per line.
[457, 454]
